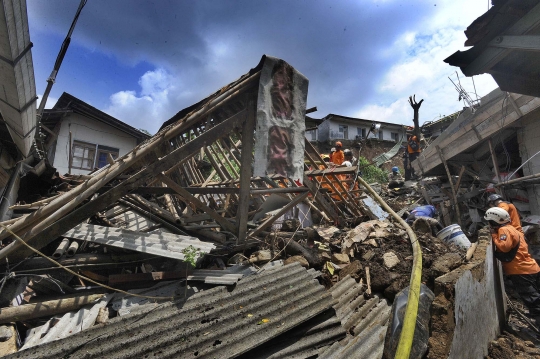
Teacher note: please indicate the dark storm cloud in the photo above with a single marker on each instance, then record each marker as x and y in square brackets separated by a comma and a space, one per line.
[207, 44]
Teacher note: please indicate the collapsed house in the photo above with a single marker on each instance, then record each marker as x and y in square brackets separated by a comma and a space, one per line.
[227, 235]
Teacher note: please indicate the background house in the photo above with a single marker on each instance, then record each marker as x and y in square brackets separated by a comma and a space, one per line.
[312, 125]
[336, 127]
[93, 135]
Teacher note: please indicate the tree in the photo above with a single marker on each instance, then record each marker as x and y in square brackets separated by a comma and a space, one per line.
[416, 107]
[145, 131]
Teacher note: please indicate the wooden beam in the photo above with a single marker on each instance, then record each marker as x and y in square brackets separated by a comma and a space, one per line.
[494, 159]
[454, 197]
[460, 176]
[319, 198]
[48, 130]
[282, 211]
[40, 237]
[188, 197]
[246, 160]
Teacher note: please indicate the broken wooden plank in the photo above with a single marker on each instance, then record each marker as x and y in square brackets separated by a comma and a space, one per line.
[246, 160]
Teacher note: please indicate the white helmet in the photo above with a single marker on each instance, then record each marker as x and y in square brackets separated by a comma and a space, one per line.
[347, 164]
[497, 215]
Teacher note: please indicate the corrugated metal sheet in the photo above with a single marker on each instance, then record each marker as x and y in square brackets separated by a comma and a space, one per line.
[364, 320]
[383, 157]
[305, 341]
[69, 324]
[216, 323]
[126, 304]
[368, 345]
[163, 244]
[125, 218]
[226, 276]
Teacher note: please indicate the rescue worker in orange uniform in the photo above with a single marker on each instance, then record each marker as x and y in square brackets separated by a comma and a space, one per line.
[495, 200]
[338, 157]
[413, 151]
[513, 252]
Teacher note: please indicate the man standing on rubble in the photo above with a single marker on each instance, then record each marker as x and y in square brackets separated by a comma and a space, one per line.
[518, 265]
[496, 200]
[413, 141]
[338, 157]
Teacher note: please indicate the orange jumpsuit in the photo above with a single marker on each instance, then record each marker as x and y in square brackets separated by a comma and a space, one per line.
[505, 239]
[514, 215]
[338, 157]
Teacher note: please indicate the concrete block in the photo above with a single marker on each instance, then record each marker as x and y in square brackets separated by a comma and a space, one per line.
[390, 260]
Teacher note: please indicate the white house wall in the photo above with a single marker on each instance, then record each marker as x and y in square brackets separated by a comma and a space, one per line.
[334, 134]
[323, 131]
[91, 131]
[529, 145]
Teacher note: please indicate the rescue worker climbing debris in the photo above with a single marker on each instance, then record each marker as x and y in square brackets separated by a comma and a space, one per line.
[496, 200]
[518, 265]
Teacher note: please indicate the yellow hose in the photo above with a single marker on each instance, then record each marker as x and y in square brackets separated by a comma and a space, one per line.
[411, 311]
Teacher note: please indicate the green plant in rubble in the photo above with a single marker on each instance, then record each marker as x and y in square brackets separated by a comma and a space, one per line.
[191, 254]
[190, 257]
[371, 173]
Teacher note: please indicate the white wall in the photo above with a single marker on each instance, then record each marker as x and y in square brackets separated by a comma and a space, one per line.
[353, 131]
[91, 131]
[311, 135]
[529, 145]
[323, 133]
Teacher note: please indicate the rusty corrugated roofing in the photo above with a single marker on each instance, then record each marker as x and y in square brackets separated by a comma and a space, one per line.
[217, 323]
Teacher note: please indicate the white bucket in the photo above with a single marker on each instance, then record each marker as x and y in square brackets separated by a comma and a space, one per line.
[454, 235]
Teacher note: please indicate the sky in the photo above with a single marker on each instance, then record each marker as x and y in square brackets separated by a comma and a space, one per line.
[143, 61]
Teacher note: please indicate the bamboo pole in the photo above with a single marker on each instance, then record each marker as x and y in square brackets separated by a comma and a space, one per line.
[36, 204]
[48, 308]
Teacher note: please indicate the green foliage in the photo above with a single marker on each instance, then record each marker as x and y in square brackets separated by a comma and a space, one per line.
[371, 173]
[145, 131]
[191, 254]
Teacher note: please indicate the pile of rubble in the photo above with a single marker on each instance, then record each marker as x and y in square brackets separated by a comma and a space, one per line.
[177, 247]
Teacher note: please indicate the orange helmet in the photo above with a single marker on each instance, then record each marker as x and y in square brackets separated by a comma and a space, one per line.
[339, 144]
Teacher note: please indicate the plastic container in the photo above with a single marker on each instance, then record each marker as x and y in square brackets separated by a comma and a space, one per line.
[454, 235]
[421, 330]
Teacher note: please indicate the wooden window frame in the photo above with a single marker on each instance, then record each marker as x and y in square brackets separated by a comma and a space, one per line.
[85, 146]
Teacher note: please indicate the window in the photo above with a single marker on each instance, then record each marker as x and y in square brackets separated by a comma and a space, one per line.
[395, 136]
[344, 130]
[82, 156]
[361, 132]
[380, 135]
[85, 157]
[103, 151]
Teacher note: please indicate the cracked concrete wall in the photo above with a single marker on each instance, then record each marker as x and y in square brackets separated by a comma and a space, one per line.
[469, 308]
